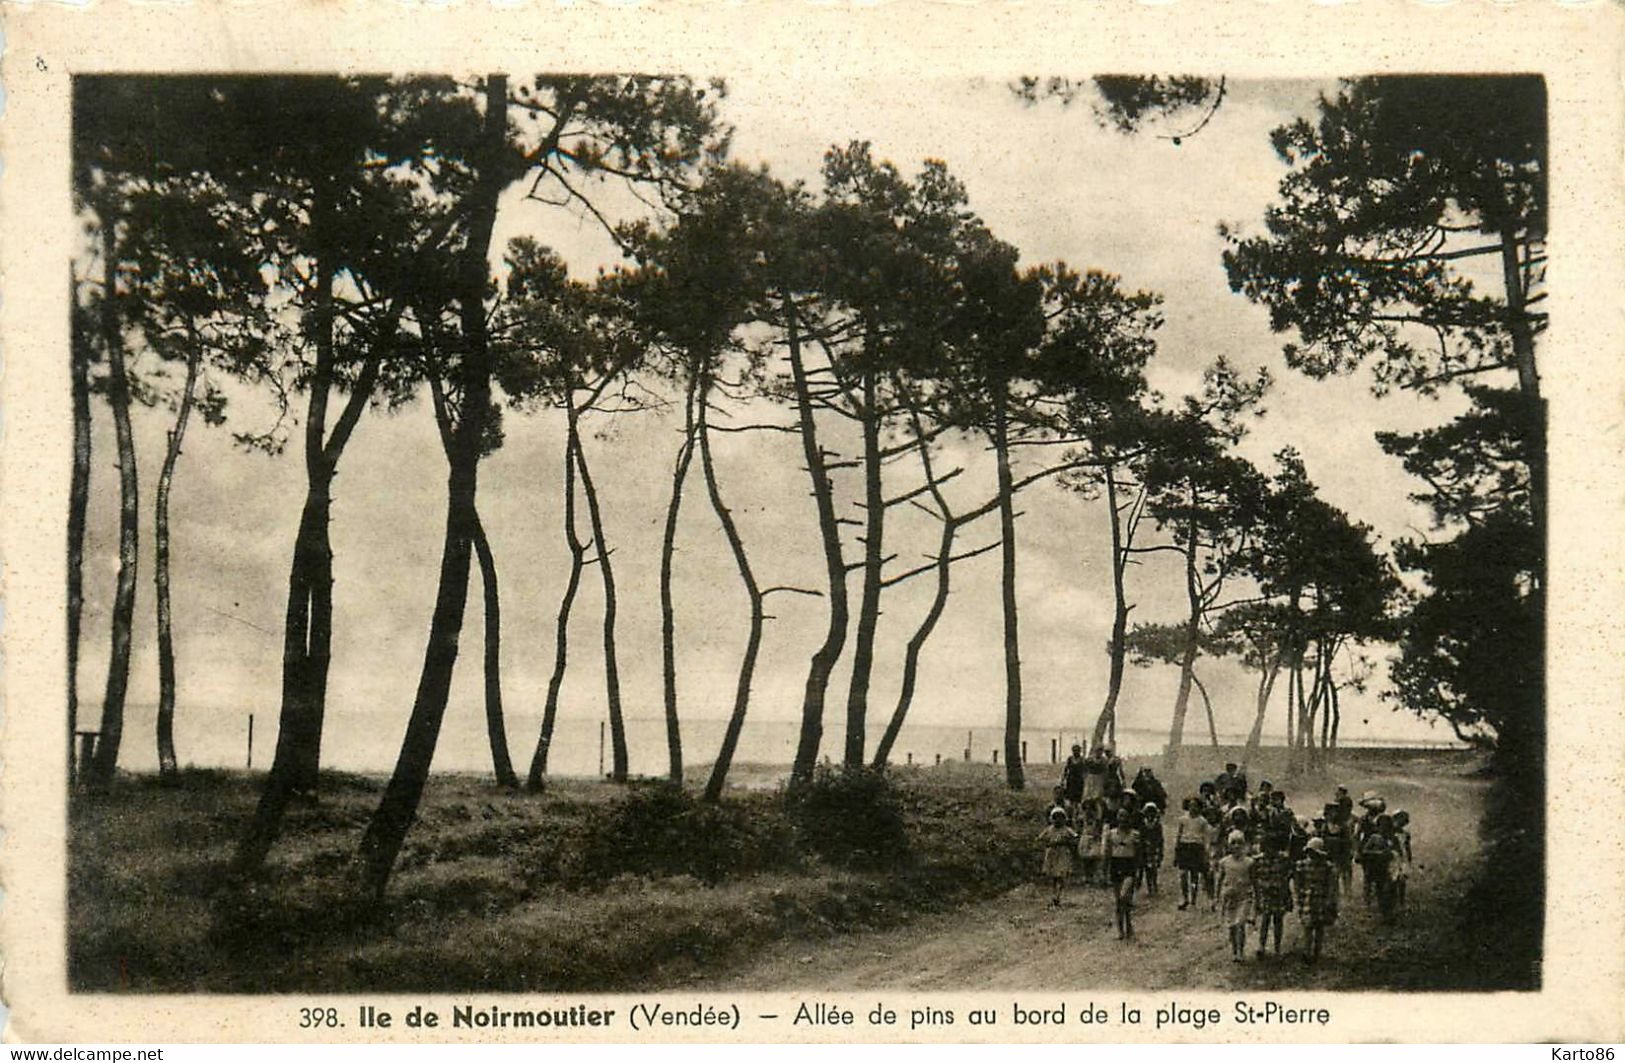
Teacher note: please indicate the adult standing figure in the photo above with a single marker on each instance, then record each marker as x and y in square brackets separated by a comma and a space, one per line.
[1072, 773]
[1094, 779]
[1231, 783]
[1115, 782]
[1149, 789]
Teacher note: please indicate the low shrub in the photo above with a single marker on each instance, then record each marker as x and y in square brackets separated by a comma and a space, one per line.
[850, 817]
[662, 830]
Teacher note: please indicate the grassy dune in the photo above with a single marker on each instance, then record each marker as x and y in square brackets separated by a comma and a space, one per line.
[587, 887]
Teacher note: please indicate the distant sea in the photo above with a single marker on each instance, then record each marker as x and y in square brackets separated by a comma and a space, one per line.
[368, 741]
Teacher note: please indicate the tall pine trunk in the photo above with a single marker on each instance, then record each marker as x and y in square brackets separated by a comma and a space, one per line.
[874, 526]
[753, 595]
[1118, 647]
[612, 671]
[1294, 704]
[78, 504]
[1523, 353]
[307, 622]
[829, 651]
[1014, 773]
[1529, 741]
[385, 833]
[1303, 751]
[166, 636]
[496, 728]
[1317, 696]
[1291, 715]
[1187, 659]
[1336, 715]
[537, 777]
[668, 607]
[307, 657]
[118, 397]
[1325, 683]
[1266, 685]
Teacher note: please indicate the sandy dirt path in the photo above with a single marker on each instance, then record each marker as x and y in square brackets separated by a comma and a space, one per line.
[1017, 941]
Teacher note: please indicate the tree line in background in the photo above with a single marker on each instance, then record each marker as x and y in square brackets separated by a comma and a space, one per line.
[327, 241]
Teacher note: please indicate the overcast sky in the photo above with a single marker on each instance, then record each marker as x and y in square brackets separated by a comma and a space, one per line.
[1047, 180]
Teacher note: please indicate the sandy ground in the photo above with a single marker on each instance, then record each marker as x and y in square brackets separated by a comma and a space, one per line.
[1017, 941]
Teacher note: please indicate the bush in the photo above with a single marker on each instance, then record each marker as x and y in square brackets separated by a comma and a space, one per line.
[661, 829]
[852, 817]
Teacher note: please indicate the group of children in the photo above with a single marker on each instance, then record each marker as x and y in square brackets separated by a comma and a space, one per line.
[1249, 855]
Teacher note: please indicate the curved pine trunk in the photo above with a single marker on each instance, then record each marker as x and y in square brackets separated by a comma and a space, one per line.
[1014, 773]
[496, 727]
[105, 762]
[1207, 703]
[668, 608]
[874, 527]
[753, 641]
[537, 777]
[78, 504]
[167, 764]
[911, 655]
[612, 671]
[829, 651]
[387, 830]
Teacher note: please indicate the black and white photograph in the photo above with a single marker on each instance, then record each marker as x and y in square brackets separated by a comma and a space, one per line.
[534, 536]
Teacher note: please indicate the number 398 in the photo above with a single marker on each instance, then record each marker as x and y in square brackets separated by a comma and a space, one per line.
[311, 1017]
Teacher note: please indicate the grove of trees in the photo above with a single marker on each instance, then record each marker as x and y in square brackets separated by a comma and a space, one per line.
[331, 247]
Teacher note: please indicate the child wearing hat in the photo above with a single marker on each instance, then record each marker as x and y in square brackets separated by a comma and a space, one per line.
[1376, 858]
[1315, 881]
[1272, 891]
[1402, 856]
[1373, 806]
[1059, 841]
[1059, 802]
[1339, 846]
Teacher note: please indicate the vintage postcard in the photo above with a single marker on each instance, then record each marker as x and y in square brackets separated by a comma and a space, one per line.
[909, 522]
